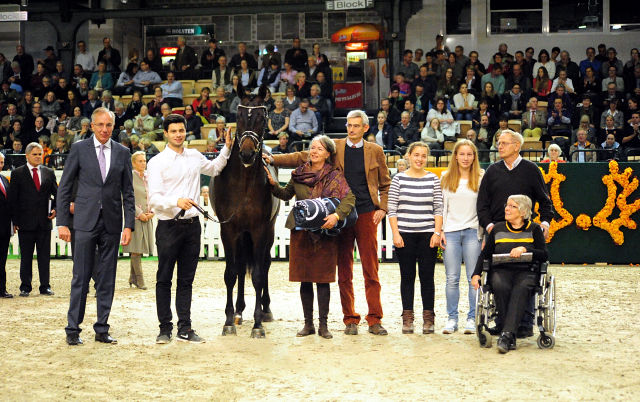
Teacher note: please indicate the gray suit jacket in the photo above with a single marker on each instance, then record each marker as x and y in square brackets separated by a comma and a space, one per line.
[112, 196]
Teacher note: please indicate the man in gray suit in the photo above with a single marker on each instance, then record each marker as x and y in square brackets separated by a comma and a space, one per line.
[103, 170]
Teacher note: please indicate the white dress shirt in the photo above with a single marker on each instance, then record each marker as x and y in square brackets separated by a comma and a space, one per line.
[173, 176]
[107, 152]
[86, 60]
[358, 145]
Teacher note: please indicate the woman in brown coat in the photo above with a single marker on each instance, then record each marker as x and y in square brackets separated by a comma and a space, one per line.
[313, 256]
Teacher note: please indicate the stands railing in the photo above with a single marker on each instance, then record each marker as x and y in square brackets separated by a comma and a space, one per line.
[300, 145]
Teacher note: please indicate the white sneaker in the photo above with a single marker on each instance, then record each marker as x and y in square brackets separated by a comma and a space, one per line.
[471, 327]
[451, 327]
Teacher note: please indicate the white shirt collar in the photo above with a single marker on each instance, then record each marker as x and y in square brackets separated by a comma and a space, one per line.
[32, 167]
[515, 163]
[358, 145]
[97, 143]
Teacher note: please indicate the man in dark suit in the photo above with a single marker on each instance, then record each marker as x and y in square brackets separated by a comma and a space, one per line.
[5, 231]
[33, 196]
[103, 170]
[186, 60]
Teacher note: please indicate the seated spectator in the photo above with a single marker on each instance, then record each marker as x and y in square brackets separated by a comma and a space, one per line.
[590, 61]
[268, 101]
[542, 84]
[492, 97]
[145, 79]
[444, 116]
[401, 166]
[172, 91]
[203, 104]
[618, 116]
[559, 120]
[154, 62]
[235, 87]
[36, 79]
[586, 126]
[613, 77]
[408, 69]
[318, 105]
[447, 86]
[127, 132]
[421, 100]
[133, 109]
[496, 79]
[406, 132]
[630, 65]
[218, 133]
[156, 103]
[477, 65]
[632, 107]
[503, 125]
[72, 102]
[19, 81]
[92, 103]
[433, 68]
[85, 131]
[518, 77]
[483, 110]
[144, 124]
[553, 154]
[147, 146]
[612, 148]
[83, 90]
[631, 133]
[270, 75]
[13, 132]
[221, 104]
[561, 93]
[566, 82]
[58, 156]
[612, 61]
[107, 101]
[235, 102]
[9, 95]
[303, 123]
[396, 101]
[78, 74]
[432, 135]
[101, 79]
[221, 76]
[45, 143]
[211, 146]
[326, 88]
[571, 68]
[134, 144]
[586, 109]
[248, 76]
[7, 121]
[505, 65]
[194, 123]
[38, 131]
[514, 103]
[283, 144]
[75, 121]
[393, 115]
[287, 77]
[548, 64]
[483, 151]
[610, 128]
[582, 143]
[303, 88]
[382, 131]
[606, 97]
[632, 84]
[124, 85]
[44, 88]
[427, 82]
[278, 120]
[463, 103]
[416, 116]
[61, 90]
[291, 101]
[485, 131]
[17, 157]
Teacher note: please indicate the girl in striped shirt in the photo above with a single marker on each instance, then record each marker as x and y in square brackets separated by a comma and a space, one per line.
[415, 216]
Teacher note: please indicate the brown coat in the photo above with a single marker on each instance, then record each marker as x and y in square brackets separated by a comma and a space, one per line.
[377, 173]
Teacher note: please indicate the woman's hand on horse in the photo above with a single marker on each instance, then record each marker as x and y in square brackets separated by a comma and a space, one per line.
[186, 203]
[271, 181]
[330, 221]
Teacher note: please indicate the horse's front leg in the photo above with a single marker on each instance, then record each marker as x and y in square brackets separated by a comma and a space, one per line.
[230, 281]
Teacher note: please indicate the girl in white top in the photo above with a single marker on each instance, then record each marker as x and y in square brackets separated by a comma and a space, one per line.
[444, 115]
[460, 237]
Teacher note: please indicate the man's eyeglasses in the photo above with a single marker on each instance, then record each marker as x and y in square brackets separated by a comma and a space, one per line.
[100, 126]
[503, 144]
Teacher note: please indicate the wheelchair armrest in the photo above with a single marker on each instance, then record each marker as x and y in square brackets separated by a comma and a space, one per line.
[486, 266]
[543, 267]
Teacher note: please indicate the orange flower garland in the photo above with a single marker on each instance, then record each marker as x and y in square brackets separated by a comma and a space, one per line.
[628, 187]
[555, 178]
[583, 222]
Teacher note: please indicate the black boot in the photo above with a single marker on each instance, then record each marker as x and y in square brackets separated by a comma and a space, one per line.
[306, 295]
[324, 296]
[507, 342]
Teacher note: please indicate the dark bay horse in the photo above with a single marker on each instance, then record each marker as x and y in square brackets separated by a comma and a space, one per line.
[247, 212]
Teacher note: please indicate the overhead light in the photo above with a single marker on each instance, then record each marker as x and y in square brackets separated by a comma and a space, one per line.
[582, 26]
[616, 26]
[124, 1]
[24, 3]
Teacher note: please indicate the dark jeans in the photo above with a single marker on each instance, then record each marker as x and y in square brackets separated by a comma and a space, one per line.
[178, 242]
[512, 292]
[174, 102]
[4, 249]
[29, 241]
[417, 248]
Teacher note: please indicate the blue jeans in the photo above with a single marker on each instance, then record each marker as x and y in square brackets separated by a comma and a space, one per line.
[461, 243]
[464, 116]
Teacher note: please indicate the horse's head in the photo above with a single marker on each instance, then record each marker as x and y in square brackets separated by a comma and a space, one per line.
[252, 120]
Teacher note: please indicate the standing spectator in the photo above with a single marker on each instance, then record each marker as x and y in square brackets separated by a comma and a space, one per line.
[461, 237]
[186, 60]
[545, 61]
[321, 59]
[5, 68]
[296, 56]
[572, 69]
[209, 59]
[33, 197]
[582, 143]
[25, 60]
[271, 54]
[102, 168]
[153, 60]
[84, 58]
[415, 216]
[408, 68]
[243, 55]
[5, 231]
[142, 239]
[110, 56]
[221, 76]
[101, 79]
[303, 123]
[370, 185]
[592, 62]
[172, 91]
[440, 46]
[528, 58]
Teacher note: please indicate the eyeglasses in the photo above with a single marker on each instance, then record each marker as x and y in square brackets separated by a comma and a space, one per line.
[356, 126]
[503, 144]
[100, 126]
[511, 207]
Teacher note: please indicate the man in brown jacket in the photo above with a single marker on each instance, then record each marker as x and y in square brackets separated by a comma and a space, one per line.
[365, 168]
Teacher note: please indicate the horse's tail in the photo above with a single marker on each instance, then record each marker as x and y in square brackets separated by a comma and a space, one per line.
[245, 260]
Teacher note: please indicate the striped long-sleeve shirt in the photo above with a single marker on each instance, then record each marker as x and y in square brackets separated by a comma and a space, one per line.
[415, 202]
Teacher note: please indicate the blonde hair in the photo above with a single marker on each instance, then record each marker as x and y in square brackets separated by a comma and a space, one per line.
[136, 154]
[451, 177]
[418, 144]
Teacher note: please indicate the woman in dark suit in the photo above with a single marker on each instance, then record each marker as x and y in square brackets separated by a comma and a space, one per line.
[314, 256]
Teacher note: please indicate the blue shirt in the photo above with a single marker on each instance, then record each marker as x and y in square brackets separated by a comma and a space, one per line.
[172, 90]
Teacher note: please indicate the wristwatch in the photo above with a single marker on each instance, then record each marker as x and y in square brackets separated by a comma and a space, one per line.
[436, 233]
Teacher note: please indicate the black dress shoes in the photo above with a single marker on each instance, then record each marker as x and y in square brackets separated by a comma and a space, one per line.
[47, 292]
[104, 337]
[74, 340]
[24, 293]
[6, 295]
[524, 332]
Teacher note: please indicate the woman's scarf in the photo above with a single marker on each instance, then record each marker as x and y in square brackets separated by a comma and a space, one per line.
[326, 182]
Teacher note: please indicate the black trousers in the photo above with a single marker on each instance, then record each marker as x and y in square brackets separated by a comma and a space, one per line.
[417, 248]
[178, 242]
[31, 240]
[4, 249]
[512, 292]
[174, 102]
[86, 260]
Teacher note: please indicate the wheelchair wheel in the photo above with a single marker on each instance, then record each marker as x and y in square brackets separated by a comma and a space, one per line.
[546, 341]
[550, 311]
[485, 339]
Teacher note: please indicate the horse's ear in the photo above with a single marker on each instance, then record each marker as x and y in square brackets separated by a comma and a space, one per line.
[262, 92]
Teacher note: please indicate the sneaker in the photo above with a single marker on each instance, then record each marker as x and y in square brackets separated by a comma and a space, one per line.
[470, 328]
[451, 327]
[163, 338]
[189, 336]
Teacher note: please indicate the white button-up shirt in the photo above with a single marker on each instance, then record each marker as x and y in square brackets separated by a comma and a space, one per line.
[86, 60]
[173, 176]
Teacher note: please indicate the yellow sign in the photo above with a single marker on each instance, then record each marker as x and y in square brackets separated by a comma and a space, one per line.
[338, 74]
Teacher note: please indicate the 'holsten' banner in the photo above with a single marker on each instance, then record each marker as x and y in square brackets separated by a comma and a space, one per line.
[348, 95]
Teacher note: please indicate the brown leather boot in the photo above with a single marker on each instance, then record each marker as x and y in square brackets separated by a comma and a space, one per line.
[429, 317]
[407, 321]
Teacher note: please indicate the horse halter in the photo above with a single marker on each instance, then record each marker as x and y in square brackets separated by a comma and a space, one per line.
[251, 134]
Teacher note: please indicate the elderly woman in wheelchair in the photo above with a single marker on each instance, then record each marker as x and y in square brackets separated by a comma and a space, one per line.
[514, 250]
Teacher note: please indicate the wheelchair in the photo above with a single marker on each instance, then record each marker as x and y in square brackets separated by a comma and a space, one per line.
[544, 313]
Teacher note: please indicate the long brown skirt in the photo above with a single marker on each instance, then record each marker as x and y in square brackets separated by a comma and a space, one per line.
[312, 262]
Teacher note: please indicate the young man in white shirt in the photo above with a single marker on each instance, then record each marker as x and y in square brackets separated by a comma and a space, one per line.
[174, 184]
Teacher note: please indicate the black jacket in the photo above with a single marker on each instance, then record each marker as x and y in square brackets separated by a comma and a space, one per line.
[186, 57]
[114, 61]
[387, 134]
[31, 207]
[5, 209]
[409, 135]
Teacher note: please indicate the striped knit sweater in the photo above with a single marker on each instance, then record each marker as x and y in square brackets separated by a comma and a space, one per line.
[415, 202]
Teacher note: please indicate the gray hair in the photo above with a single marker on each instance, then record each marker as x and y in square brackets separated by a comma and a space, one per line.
[103, 110]
[359, 113]
[15, 64]
[326, 142]
[315, 86]
[128, 124]
[221, 119]
[516, 136]
[31, 146]
[405, 113]
[134, 138]
[137, 153]
[83, 80]
[118, 104]
[85, 121]
[556, 147]
[524, 204]
[403, 161]
[145, 141]
[107, 93]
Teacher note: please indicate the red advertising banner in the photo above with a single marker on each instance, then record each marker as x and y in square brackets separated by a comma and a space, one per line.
[348, 95]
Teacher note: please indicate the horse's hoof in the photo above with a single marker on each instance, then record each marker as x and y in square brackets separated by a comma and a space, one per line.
[237, 319]
[257, 333]
[267, 317]
[229, 330]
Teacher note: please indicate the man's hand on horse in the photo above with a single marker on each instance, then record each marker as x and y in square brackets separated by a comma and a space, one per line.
[267, 158]
[228, 141]
[186, 203]
[271, 181]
